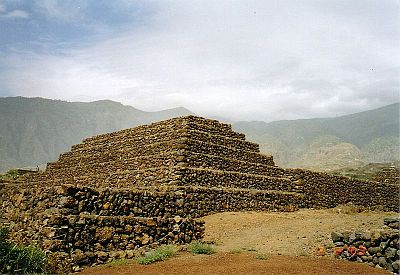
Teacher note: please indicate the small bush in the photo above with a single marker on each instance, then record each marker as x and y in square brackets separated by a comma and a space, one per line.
[159, 254]
[236, 251]
[349, 208]
[13, 173]
[118, 262]
[20, 259]
[261, 257]
[201, 248]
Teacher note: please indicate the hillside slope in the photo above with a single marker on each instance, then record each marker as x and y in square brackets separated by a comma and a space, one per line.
[330, 143]
[34, 131]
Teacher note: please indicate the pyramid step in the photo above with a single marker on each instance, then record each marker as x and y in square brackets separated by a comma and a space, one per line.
[193, 201]
[218, 178]
[235, 143]
[163, 202]
[85, 166]
[116, 179]
[103, 154]
[197, 160]
[205, 125]
[100, 155]
[204, 147]
[121, 142]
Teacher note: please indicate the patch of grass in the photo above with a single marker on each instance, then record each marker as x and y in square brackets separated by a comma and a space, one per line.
[10, 175]
[201, 248]
[117, 262]
[262, 257]
[349, 208]
[236, 251]
[20, 259]
[159, 254]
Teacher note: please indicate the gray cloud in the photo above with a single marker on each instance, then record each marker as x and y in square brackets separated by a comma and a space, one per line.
[262, 60]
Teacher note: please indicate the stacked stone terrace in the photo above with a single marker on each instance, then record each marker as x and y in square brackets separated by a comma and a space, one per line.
[117, 192]
[189, 154]
[388, 175]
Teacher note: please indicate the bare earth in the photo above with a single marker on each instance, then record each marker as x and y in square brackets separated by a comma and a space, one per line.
[287, 240]
[294, 233]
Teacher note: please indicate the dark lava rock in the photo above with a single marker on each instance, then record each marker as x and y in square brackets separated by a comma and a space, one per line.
[337, 237]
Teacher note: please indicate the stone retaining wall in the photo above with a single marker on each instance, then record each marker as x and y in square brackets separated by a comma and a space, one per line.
[388, 175]
[217, 178]
[379, 248]
[223, 163]
[164, 202]
[324, 190]
[91, 239]
[204, 147]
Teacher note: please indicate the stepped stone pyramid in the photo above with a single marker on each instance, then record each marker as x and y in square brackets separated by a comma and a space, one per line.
[184, 151]
[189, 153]
[115, 193]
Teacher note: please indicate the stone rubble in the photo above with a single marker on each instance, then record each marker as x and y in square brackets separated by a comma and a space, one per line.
[379, 248]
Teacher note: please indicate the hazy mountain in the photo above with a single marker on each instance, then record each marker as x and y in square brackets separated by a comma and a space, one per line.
[330, 143]
[34, 131]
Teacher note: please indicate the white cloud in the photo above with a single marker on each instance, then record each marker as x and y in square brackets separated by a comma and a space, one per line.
[2, 7]
[62, 10]
[263, 60]
[15, 14]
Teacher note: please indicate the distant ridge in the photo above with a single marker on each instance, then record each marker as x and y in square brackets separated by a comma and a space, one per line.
[330, 143]
[34, 131]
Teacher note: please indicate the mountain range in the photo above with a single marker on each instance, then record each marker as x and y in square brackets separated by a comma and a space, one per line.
[330, 143]
[34, 131]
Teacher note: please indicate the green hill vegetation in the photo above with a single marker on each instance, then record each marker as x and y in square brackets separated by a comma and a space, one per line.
[370, 171]
[330, 143]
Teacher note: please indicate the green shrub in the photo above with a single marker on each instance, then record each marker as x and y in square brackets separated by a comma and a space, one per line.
[20, 259]
[236, 251]
[201, 248]
[10, 175]
[118, 262]
[261, 257]
[159, 254]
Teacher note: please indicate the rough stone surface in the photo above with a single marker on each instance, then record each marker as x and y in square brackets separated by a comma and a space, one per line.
[378, 248]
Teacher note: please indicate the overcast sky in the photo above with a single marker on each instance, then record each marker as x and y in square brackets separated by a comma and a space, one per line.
[242, 60]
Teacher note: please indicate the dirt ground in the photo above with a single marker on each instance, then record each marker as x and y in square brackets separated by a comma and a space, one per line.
[240, 263]
[294, 233]
[287, 240]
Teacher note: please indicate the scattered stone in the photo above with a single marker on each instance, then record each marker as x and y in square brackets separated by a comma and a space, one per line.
[390, 252]
[337, 237]
[373, 250]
